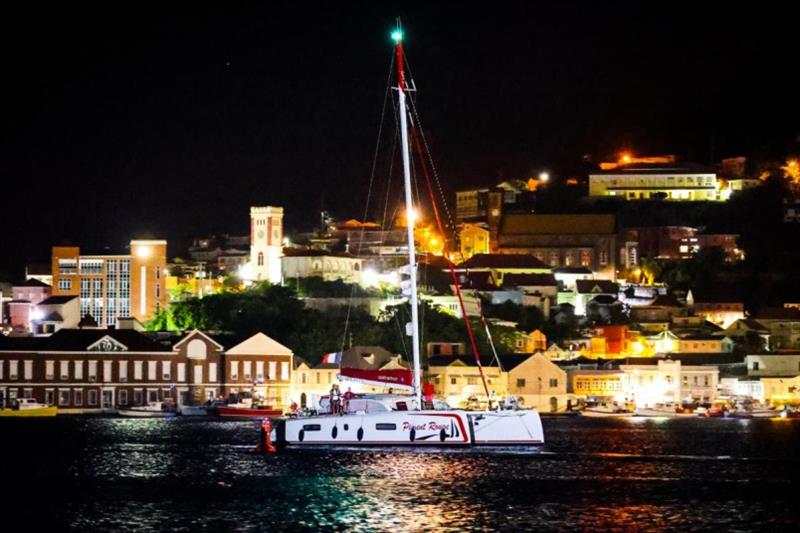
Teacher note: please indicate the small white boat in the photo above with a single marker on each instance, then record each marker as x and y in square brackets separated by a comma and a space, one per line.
[193, 410]
[28, 407]
[668, 411]
[151, 410]
[606, 411]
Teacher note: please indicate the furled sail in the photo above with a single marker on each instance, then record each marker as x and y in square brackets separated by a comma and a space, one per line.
[396, 378]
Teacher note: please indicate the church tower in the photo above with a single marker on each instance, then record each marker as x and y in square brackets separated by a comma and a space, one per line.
[266, 243]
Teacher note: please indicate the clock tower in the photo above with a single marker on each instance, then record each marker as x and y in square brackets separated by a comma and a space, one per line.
[266, 243]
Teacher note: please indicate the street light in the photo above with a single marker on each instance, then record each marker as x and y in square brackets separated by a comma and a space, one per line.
[544, 177]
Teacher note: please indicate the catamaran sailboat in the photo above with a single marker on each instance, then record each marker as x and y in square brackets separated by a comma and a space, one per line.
[393, 419]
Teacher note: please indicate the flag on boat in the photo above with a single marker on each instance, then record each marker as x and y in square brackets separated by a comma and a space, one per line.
[333, 358]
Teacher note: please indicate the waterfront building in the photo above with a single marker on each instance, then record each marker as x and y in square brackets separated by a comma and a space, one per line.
[569, 240]
[262, 366]
[599, 385]
[100, 370]
[111, 286]
[456, 378]
[536, 381]
[652, 381]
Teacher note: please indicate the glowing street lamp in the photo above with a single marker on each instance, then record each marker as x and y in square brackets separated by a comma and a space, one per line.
[544, 177]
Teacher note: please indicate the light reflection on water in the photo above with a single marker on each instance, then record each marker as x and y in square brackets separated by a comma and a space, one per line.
[193, 475]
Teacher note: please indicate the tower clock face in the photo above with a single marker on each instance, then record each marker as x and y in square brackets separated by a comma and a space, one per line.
[260, 234]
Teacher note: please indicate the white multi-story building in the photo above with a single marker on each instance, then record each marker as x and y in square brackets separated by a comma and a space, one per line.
[668, 381]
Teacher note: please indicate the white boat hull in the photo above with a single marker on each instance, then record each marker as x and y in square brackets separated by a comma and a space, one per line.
[193, 410]
[606, 414]
[415, 428]
[663, 413]
[145, 414]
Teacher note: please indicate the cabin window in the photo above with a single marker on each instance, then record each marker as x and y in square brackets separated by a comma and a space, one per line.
[386, 427]
[311, 427]
[401, 406]
[755, 365]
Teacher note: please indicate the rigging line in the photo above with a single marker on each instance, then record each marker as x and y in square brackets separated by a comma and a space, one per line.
[386, 95]
[389, 180]
[432, 165]
[453, 276]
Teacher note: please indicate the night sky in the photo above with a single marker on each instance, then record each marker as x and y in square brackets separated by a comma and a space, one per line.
[169, 121]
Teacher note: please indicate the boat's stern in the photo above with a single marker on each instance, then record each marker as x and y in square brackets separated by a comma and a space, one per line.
[507, 428]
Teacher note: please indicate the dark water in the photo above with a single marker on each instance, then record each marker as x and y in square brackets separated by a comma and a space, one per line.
[89, 474]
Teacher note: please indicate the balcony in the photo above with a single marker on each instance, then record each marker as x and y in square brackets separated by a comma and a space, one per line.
[92, 379]
[123, 380]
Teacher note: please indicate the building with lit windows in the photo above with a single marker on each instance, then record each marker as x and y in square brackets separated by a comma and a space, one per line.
[113, 286]
[649, 183]
[298, 263]
[472, 239]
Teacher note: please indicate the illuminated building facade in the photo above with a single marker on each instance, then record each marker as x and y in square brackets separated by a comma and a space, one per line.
[112, 286]
[646, 183]
[266, 244]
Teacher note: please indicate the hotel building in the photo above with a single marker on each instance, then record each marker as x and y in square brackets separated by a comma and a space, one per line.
[111, 286]
[643, 183]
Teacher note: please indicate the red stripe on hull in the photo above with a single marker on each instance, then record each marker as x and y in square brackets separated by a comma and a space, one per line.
[232, 411]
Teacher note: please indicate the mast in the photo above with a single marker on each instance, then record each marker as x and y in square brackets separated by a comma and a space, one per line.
[397, 36]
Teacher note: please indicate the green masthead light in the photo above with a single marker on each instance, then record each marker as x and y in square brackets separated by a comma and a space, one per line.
[397, 36]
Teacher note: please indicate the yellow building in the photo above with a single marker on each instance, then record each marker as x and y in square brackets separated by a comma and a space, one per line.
[644, 183]
[536, 382]
[262, 366]
[473, 239]
[112, 286]
[600, 385]
[457, 378]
